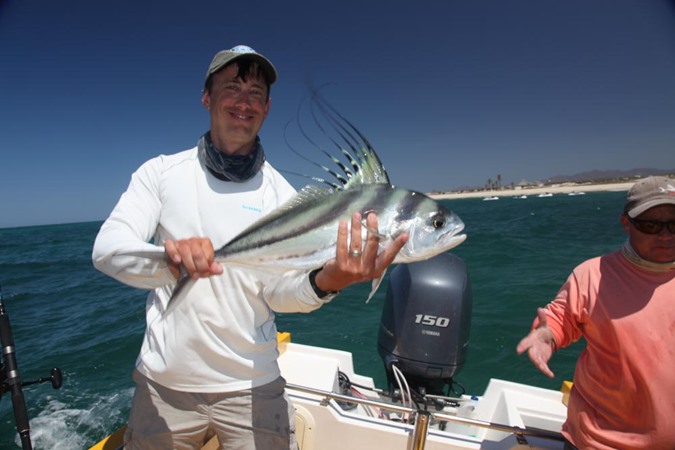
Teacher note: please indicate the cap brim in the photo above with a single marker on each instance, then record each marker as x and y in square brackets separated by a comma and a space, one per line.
[633, 213]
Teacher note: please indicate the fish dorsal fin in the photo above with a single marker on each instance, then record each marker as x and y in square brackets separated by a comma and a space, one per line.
[355, 161]
[369, 169]
[366, 166]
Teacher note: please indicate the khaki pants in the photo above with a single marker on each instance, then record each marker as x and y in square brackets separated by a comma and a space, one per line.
[255, 419]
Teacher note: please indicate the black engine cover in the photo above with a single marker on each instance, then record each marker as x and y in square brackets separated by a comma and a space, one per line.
[426, 319]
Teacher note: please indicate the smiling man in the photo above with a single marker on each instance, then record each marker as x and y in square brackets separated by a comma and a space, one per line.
[623, 304]
[210, 365]
[238, 100]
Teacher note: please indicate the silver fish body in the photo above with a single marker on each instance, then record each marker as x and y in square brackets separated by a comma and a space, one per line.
[303, 233]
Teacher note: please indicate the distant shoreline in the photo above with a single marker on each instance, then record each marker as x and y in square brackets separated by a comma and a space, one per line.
[564, 188]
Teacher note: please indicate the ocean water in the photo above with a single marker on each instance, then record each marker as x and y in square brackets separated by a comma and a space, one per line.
[66, 314]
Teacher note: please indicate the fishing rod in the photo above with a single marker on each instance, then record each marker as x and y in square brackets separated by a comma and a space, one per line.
[10, 379]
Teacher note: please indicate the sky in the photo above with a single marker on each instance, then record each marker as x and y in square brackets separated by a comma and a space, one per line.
[450, 93]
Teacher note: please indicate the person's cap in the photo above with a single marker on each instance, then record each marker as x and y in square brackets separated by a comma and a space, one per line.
[649, 192]
[225, 57]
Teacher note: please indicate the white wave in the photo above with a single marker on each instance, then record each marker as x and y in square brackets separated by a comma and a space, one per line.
[58, 427]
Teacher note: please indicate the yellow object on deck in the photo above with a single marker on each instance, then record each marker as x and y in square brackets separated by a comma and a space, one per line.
[112, 442]
[566, 388]
[283, 338]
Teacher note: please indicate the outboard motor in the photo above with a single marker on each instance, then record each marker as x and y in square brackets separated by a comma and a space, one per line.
[425, 324]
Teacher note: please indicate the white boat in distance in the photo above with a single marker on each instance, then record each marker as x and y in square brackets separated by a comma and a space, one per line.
[545, 194]
[422, 347]
[577, 193]
[485, 199]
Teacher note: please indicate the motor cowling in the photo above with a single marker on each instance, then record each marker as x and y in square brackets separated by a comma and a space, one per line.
[426, 320]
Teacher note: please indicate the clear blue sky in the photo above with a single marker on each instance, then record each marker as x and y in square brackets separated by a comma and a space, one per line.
[450, 93]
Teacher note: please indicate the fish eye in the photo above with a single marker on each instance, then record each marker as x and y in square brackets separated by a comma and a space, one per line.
[438, 221]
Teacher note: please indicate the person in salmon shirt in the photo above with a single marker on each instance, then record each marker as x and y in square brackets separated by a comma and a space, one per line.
[623, 304]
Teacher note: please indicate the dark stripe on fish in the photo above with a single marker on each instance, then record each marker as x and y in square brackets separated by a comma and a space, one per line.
[325, 208]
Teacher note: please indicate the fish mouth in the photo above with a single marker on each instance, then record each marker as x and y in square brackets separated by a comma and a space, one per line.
[453, 232]
[456, 240]
[452, 238]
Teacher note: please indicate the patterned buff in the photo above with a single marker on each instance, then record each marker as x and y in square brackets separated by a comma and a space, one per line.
[630, 254]
[237, 168]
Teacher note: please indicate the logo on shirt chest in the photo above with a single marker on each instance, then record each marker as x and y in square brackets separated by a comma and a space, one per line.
[252, 208]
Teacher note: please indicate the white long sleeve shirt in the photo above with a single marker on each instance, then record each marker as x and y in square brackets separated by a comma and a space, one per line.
[220, 335]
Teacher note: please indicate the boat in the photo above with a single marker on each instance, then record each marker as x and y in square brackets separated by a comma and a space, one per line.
[337, 408]
[334, 414]
[490, 198]
[545, 194]
[520, 196]
[577, 193]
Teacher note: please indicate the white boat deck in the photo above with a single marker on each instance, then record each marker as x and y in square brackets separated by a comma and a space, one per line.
[322, 424]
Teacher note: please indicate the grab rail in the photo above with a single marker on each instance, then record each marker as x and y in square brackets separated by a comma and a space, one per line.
[424, 416]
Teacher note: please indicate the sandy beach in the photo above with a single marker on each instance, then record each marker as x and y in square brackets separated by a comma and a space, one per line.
[554, 189]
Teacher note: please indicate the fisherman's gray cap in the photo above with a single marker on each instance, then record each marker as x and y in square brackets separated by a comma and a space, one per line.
[225, 57]
[649, 192]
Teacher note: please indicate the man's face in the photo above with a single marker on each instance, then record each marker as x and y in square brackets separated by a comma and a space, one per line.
[238, 109]
[658, 247]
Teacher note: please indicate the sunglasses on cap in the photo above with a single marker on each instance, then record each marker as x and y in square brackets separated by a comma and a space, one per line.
[652, 226]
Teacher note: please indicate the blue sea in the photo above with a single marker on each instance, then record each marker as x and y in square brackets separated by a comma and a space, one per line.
[66, 314]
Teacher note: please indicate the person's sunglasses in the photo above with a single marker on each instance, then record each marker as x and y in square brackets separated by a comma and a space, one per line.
[652, 226]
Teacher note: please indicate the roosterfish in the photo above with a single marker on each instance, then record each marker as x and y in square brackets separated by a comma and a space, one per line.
[302, 234]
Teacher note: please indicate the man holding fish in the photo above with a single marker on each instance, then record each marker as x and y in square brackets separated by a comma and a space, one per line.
[208, 366]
